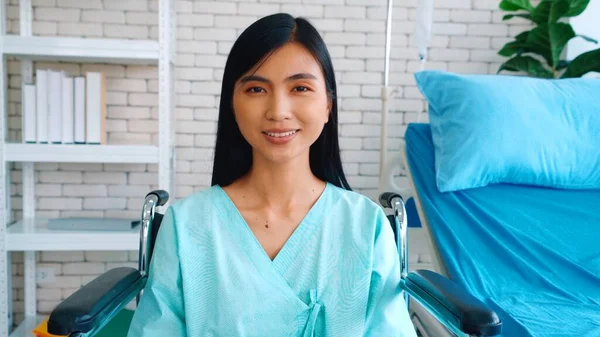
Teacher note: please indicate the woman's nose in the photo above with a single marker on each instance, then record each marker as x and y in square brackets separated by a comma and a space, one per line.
[279, 108]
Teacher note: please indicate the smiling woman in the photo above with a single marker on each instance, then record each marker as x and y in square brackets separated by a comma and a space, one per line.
[279, 72]
[277, 106]
[279, 245]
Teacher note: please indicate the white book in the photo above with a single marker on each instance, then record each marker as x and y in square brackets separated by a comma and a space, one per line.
[68, 111]
[92, 224]
[28, 113]
[79, 110]
[55, 106]
[95, 108]
[42, 105]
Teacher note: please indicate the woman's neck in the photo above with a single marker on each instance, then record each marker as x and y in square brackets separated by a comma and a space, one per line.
[283, 185]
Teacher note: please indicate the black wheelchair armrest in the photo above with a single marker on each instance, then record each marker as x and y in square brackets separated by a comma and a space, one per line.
[94, 304]
[468, 313]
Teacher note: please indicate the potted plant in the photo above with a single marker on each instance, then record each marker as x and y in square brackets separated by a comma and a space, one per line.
[538, 51]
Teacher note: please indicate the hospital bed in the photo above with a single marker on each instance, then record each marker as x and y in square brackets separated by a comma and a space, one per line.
[530, 253]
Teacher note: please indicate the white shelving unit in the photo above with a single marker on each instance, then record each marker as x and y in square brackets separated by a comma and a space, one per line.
[34, 235]
[68, 153]
[24, 329]
[72, 49]
[30, 234]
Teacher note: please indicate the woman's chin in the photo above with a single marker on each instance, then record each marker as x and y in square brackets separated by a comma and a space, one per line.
[280, 156]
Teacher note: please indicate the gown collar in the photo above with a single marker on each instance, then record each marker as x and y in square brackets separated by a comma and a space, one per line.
[292, 247]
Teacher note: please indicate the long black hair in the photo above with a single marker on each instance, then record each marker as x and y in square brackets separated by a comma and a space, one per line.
[233, 154]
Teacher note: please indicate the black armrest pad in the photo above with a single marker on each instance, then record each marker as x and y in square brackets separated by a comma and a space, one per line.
[91, 304]
[472, 315]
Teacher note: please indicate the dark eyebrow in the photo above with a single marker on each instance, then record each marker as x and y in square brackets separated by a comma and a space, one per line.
[301, 76]
[258, 78]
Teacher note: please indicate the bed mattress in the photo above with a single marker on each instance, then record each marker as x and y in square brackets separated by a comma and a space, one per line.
[531, 253]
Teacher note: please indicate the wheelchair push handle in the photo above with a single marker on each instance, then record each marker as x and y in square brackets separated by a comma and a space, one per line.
[150, 226]
[386, 199]
[161, 195]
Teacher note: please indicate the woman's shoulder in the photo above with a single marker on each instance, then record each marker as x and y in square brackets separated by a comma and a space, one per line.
[200, 215]
[200, 198]
[359, 219]
[201, 205]
[356, 210]
[357, 201]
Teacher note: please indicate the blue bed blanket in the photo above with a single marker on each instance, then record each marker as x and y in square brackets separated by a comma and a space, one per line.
[531, 253]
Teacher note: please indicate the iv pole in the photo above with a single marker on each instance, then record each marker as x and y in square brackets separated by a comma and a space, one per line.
[422, 38]
[423, 24]
[386, 93]
[423, 33]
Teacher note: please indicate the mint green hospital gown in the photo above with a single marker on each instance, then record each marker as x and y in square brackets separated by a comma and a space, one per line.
[337, 275]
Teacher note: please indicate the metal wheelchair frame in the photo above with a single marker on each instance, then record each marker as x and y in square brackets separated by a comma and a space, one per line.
[89, 309]
[71, 319]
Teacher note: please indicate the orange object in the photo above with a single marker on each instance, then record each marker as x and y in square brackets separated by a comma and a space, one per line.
[42, 330]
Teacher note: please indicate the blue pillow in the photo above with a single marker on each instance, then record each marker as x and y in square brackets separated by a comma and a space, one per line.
[490, 129]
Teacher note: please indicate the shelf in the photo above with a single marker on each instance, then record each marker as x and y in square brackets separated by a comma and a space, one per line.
[29, 323]
[72, 49]
[33, 235]
[80, 153]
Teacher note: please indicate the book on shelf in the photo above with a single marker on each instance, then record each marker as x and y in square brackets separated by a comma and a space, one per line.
[29, 113]
[68, 111]
[92, 224]
[95, 108]
[79, 110]
[54, 106]
[63, 109]
[41, 95]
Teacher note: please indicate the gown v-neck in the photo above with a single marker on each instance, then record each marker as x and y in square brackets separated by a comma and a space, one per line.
[292, 246]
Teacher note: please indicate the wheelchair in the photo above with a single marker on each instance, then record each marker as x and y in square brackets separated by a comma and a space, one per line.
[89, 309]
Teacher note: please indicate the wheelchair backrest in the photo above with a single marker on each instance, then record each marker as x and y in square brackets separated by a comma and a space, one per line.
[154, 233]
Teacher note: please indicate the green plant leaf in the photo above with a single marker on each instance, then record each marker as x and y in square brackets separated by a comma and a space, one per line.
[510, 48]
[550, 11]
[560, 34]
[515, 5]
[558, 10]
[522, 15]
[588, 39]
[583, 64]
[527, 64]
[562, 64]
[538, 41]
[518, 46]
[509, 7]
[522, 37]
[549, 40]
[577, 7]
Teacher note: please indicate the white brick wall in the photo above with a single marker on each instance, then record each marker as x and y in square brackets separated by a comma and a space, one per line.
[467, 36]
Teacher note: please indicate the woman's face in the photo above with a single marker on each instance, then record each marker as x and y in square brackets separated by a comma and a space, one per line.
[282, 107]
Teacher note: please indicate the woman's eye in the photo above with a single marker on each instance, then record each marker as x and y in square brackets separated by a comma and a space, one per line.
[301, 88]
[255, 90]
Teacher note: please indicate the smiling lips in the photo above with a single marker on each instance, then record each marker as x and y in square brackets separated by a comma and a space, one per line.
[280, 136]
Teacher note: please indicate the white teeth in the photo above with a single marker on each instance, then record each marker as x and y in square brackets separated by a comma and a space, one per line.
[283, 134]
